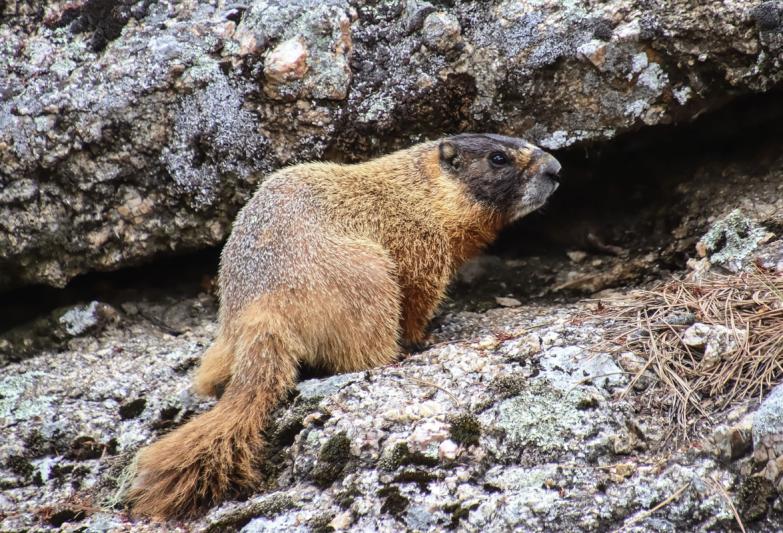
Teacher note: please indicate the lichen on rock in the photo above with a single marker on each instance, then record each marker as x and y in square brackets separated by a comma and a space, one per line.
[731, 241]
[149, 116]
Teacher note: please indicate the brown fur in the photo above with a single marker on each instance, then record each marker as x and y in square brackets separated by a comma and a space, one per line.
[327, 265]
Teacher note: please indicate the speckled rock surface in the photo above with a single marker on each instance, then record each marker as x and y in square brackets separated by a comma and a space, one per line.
[133, 128]
[513, 420]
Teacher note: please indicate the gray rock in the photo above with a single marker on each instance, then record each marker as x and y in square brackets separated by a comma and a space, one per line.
[55, 330]
[768, 420]
[731, 241]
[770, 256]
[139, 128]
[486, 430]
[441, 31]
[318, 388]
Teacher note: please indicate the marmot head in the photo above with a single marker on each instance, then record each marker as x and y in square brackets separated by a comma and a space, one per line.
[505, 173]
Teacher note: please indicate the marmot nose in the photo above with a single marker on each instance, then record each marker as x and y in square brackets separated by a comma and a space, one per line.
[550, 167]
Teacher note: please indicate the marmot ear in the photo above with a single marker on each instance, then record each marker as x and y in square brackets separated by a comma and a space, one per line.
[449, 154]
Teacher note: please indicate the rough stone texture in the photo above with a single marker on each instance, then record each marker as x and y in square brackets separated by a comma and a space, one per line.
[132, 128]
[731, 241]
[54, 330]
[512, 420]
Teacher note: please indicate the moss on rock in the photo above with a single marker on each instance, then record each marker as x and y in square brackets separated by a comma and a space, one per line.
[754, 498]
[333, 457]
[20, 466]
[238, 518]
[422, 478]
[394, 502]
[465, 429]
[401, 455]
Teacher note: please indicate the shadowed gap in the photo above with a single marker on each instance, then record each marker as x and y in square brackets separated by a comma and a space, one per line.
[617, 193]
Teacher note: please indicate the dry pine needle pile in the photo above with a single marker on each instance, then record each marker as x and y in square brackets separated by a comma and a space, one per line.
[707, 342]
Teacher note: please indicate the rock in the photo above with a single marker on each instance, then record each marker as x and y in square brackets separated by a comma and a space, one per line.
[441, 31]
[768, 15]
[767, 449]
[55, 330]
[342, 521]
[731, 241]
[81, 319]
[594, 51]
[483, 438]
[733, 442]
[428, 436]
[717, 342]
[447, 451]
[318, 388]
[768, 420]
[287, 61]
[138, 128]
[634, 364]
[754, 497]
[507, 302]
[770, 257]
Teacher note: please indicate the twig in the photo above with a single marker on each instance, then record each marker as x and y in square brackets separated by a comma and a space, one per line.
[646, 514]
[748, 305]
[595, 467]
[161, 324]
[588, 379]
[716, 484]
[429, 384]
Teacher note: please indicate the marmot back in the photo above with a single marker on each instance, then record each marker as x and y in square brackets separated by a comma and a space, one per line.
[334, 266]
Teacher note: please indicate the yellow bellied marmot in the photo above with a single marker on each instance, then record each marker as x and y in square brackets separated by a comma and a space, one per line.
[332, 265]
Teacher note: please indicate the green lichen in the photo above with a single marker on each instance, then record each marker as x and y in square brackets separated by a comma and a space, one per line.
[166, 418]
[78, 475]
[58, 472]
[458, 512]
[465, 429]
[394, 502]
[236, 519]
[587, 402]
[36, 444]
[287, 427]
[422, 478]
[288, 422]
[504, 387]
[20, 466]
[754, 498]
[332, 458]
[321, 524]
[60, 517]
[13, 403]
[132, 409]
[730, 241]
[401, 455]
[85, 447]
[346, 498]
[501, 388]
[540, 417]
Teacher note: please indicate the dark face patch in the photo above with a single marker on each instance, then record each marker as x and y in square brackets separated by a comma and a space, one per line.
[499, 171]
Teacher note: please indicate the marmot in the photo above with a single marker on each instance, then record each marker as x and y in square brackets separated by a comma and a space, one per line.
[333, 265]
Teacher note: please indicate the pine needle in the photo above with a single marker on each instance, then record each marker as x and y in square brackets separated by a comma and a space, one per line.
[651, 323]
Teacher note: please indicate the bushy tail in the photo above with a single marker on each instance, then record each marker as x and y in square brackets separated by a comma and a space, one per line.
[215, 455]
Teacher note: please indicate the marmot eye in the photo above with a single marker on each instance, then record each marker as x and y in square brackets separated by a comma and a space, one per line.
[498, 158]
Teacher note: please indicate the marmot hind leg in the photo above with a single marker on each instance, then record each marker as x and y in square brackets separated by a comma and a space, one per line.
[354, 320]
[358, 312]
[214, 372]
